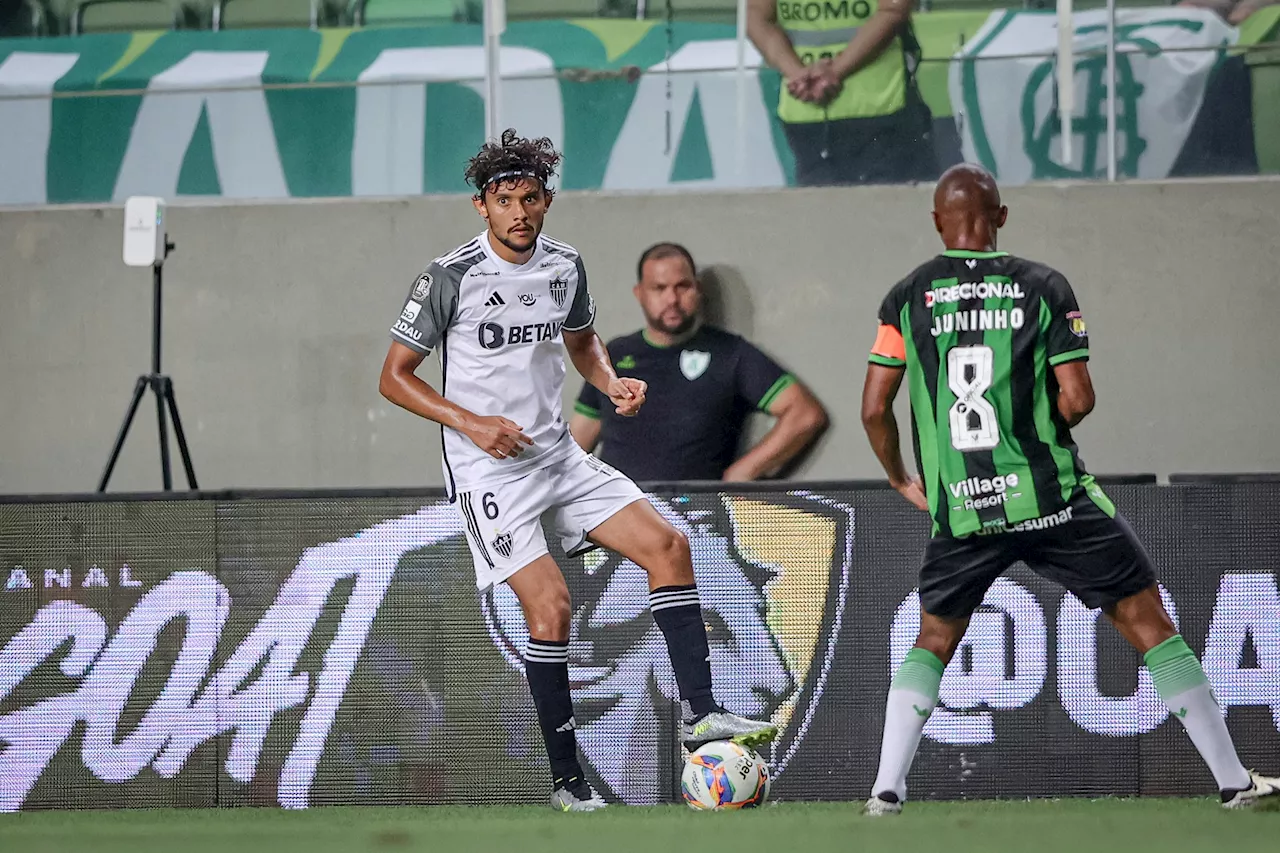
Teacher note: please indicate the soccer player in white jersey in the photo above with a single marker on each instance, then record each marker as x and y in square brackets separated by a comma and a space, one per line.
[502, 309]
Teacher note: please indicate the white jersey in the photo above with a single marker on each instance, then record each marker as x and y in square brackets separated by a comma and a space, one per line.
[497, 326]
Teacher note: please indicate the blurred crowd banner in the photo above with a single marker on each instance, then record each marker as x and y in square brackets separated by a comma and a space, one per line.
[325, 649]
[1164, 58]
[633, 104]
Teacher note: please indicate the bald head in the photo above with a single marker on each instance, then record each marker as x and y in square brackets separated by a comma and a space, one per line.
[966, 187]
[967, 209]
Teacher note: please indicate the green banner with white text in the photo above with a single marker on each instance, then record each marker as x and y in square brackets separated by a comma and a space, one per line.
[634, 105]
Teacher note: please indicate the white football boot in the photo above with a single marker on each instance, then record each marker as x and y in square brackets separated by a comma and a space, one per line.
[1261, 787]
[882, 804]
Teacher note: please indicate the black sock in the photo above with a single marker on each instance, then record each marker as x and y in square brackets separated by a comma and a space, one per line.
[546, 666]
[679, 616]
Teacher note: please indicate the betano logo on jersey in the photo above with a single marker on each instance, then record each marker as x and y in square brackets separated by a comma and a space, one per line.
[494, 336]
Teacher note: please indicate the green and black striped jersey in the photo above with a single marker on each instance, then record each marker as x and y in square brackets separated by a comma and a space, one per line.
[979, 334]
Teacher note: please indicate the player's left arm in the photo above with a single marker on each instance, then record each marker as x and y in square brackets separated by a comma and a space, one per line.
[590, 356]
[1067, 348]
[799, 416]
[887, 365]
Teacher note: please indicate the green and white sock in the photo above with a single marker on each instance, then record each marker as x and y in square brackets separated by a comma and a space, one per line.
[912, 697]
[1182, 685]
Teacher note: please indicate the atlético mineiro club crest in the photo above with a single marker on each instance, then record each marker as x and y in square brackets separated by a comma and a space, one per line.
[422, 287]
[559, 290]
[694, 363]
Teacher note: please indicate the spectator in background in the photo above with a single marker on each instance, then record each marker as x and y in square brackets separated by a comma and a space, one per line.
[1234, 12]
[703, 383]
[849, 103]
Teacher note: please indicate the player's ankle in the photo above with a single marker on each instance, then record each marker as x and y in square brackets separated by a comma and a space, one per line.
[564, 773]
[693, 718]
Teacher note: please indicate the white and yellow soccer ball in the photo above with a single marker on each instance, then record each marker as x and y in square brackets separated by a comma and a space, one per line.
[724, 775]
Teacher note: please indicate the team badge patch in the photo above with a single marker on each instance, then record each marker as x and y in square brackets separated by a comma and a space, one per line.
[502, 544]
[694, 363]
[559, 290]
[1076, 320]
[422, 287]
[627, 362]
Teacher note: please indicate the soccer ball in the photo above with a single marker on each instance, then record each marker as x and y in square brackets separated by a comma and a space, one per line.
[724, 775]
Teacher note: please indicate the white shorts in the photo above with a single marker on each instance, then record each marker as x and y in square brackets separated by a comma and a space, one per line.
[503, 522]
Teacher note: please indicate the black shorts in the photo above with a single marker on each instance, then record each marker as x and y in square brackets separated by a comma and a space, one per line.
[1095, 556]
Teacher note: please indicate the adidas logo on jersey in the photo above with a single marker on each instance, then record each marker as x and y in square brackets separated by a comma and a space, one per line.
[495, 300]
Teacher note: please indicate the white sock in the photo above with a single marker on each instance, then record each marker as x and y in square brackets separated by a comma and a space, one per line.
[1182, 685]
[912, 697]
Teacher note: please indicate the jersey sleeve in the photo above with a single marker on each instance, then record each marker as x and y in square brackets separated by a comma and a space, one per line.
[582, 313]
[589, 402]
[760, 379]
[889, 348]
[1067, 338]
[429, 310]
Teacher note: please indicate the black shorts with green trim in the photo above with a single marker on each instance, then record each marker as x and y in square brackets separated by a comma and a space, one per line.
[1096, 556]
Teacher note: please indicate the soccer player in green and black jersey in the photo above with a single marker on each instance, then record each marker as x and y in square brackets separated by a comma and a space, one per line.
[994, 351]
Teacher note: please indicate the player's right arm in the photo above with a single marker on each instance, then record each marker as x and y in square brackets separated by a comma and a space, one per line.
[427, 313]
[399, 383]
[1067, 348]
[1075, 391]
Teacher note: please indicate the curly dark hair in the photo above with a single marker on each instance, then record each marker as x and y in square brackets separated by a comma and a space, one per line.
[513, 157]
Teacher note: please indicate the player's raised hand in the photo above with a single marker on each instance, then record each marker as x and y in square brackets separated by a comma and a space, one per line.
[498, 437]
[627, 395]
[913, 491]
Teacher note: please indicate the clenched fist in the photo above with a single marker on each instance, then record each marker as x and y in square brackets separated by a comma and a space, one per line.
[627, 395]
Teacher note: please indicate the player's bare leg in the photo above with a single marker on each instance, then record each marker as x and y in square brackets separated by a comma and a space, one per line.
[1142, 620]
[912, 697]
[639, 533]
[544, 598]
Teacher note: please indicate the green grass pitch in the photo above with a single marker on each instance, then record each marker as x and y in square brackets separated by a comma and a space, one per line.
[1041, 826]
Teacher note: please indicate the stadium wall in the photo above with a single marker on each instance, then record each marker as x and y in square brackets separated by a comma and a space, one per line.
[330, 649]
[276, 319]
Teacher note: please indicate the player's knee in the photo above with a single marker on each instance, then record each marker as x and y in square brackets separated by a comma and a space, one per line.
[548, 618]
[940, 639]
[667, 557]
[674, 550]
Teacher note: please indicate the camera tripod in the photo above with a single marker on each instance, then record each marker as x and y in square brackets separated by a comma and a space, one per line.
[162, 387]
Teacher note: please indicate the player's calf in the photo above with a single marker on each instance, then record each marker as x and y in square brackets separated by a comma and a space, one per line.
[544, 598]
[912, 698]
[644, 537]
[1182, 685]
